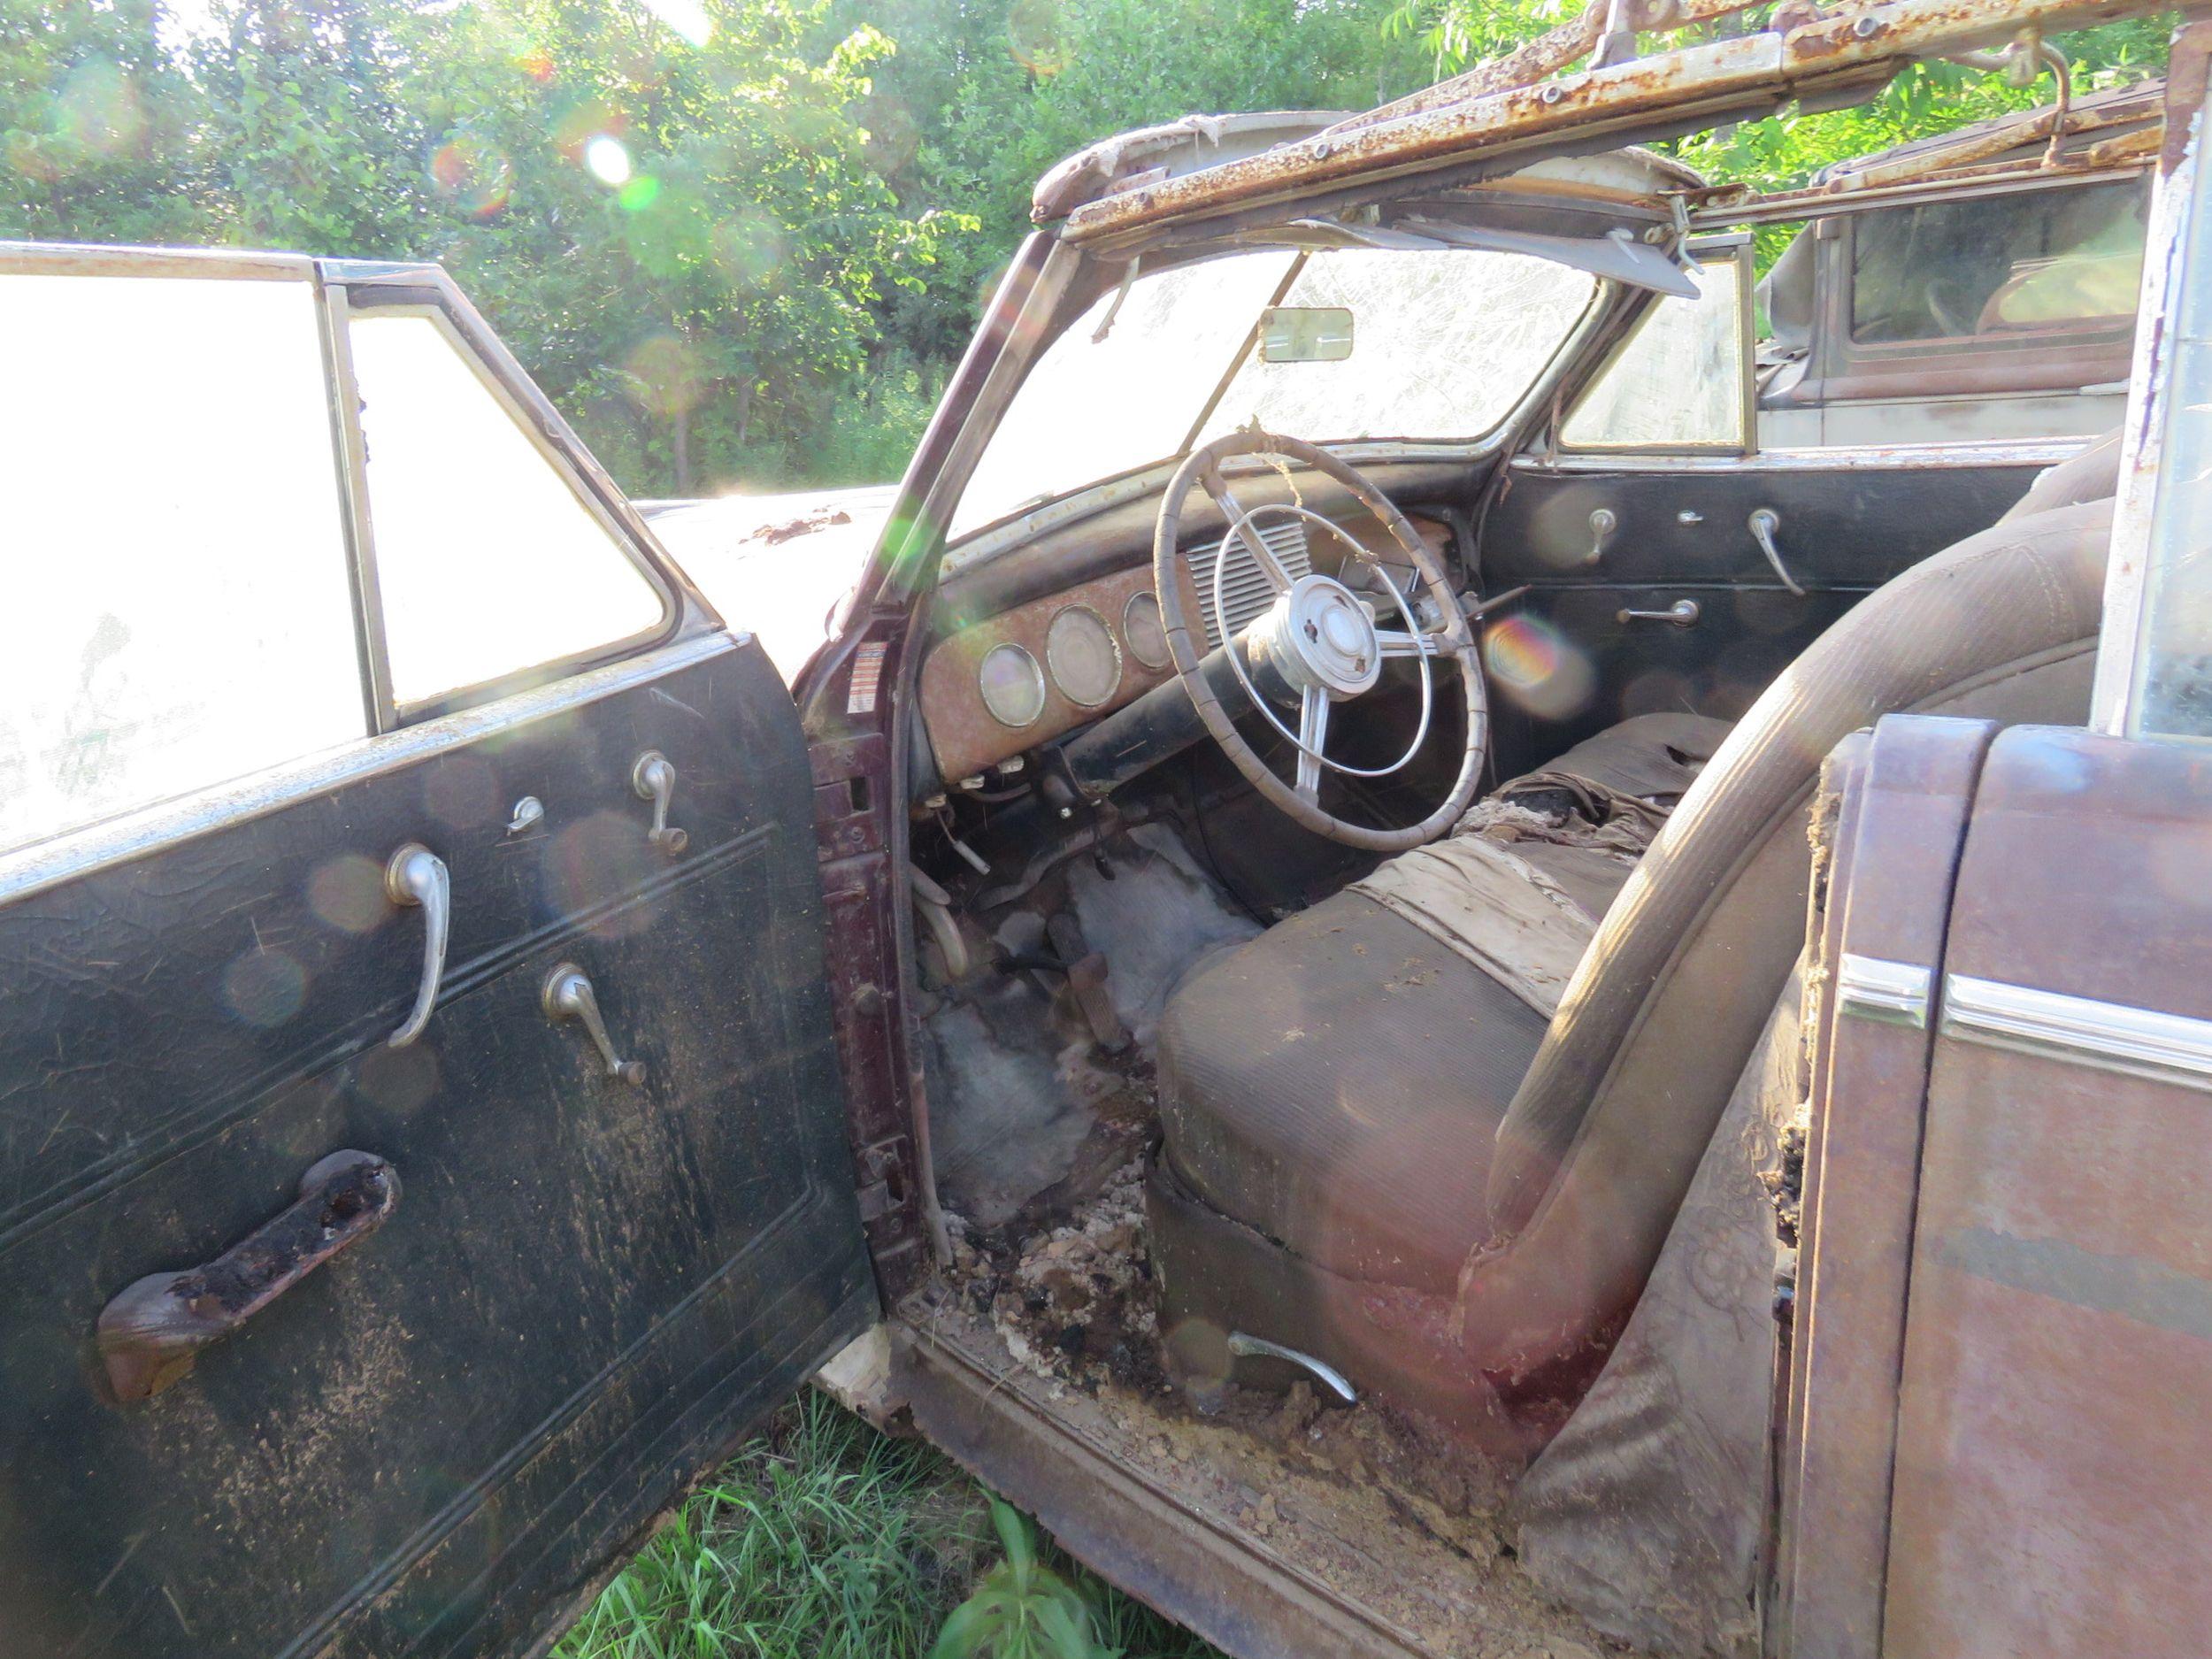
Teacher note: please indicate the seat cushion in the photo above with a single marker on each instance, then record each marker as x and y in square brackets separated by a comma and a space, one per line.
[1337, 1083]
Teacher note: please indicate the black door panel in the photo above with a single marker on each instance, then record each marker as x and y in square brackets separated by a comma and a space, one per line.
[1683, 531]
[1589, 669]
[1840, 527]
[588, 1287]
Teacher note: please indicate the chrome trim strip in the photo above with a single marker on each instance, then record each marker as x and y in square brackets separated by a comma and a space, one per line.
[1815, 458]
[2110, 1036]
[102, 846]
[1889, 992]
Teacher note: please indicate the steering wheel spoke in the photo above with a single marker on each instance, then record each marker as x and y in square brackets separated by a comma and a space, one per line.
[1240, 526]
[1319, 642]
[1313, 732]
[1398, 642]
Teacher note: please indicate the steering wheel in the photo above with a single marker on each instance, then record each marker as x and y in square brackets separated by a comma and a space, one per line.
[1317, 645]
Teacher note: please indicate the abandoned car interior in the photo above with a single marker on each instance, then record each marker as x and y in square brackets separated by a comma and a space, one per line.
[1269, 986]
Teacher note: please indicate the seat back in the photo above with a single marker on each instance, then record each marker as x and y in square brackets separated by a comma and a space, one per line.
[1596, 1152]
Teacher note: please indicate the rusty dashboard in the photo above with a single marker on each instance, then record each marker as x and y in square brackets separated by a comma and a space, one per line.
[997, 686]
[1028, 675]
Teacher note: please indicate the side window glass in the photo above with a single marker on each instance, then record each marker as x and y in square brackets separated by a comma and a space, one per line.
[1994, 266]
[1682, 381]
[174, 605]
[489, 563]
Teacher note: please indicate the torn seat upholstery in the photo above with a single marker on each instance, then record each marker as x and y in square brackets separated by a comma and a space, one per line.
[1310, 1078]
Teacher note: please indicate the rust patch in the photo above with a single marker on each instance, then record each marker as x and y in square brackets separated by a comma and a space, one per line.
[1838, 56]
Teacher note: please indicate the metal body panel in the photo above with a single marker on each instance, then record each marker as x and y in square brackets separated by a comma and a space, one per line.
[1894, 845]
[594, 1282]
[2051, 1435]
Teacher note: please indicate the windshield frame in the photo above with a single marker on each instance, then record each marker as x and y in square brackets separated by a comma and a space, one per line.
[1096, 276]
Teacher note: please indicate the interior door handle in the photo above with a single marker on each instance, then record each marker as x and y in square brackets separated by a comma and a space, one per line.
[151, 1334]
[568, 995]
[1764, 522]
[1683, 613]
[654, 781]
[417, 876]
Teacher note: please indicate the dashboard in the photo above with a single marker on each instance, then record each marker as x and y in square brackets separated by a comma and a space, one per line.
[996, 688]
[1038, 671]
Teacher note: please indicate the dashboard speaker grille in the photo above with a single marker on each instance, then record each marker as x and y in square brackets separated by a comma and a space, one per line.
[1245, 592]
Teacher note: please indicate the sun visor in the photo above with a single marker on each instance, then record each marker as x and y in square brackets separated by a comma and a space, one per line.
[1618, 255]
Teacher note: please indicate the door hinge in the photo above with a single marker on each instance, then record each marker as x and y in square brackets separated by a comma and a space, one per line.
[883, 1178]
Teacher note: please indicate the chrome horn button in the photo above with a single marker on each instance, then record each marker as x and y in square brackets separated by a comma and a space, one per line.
[1319, 634]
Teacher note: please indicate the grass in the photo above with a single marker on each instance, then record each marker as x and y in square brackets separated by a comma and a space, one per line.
[826, 1540]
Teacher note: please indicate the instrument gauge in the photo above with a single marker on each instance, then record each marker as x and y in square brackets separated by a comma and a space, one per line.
[1142, 627]
[1085, 662]
[1012, 685]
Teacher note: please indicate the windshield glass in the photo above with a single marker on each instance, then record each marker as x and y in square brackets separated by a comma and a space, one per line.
[1445, 341]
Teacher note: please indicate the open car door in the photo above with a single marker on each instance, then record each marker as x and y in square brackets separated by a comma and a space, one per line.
[421, 1138]
[1995, 1437]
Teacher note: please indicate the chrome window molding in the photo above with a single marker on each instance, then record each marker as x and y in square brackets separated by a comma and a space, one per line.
[2109, 1036]
[102, 846]
[1844, 196]
[1815, 458]
[1888, 993]
[34, 258]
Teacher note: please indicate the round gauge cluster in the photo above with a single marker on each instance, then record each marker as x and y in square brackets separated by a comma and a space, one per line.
[1085, 662]
[1012, 685]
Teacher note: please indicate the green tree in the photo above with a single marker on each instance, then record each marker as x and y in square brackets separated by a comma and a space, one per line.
[95, 118]
[308, 142]
[686, 240]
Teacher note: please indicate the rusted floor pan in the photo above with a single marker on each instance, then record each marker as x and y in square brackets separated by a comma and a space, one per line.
[1267, 1545]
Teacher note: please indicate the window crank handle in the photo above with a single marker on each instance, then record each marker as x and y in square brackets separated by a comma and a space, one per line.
[654, 781]
[1683, 613]
[1764, 522]
[568, 995]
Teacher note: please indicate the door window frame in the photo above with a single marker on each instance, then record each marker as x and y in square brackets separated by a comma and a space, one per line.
[1729, 247]
[2146, 550]
[352, 289]
[390, 735]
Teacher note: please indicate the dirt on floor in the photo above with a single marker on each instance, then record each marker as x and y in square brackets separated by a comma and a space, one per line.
[1388, 1511]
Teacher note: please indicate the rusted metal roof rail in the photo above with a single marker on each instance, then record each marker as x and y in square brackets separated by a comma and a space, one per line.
[1836, 59]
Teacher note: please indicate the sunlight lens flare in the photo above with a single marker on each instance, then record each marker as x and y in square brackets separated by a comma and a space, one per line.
[685, 18]
[474, 175]
[1531, 662]
[607, 160]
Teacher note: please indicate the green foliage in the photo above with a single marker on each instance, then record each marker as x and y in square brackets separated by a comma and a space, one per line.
[95, 119]
[825, 1540]
[1021, 1609]
[751, 257]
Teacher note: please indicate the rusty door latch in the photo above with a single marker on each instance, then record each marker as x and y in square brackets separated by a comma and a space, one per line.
[151, 1334]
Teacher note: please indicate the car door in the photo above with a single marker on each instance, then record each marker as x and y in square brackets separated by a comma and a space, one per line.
[421, 1136]
[1676, 560]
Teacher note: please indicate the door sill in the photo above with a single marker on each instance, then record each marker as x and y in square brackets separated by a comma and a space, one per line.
[1267, 1554]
